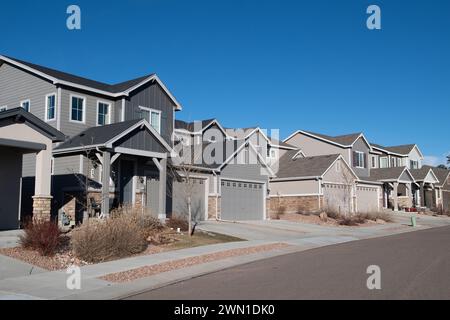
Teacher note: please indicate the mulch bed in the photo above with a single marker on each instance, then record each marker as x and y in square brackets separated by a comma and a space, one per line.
[147, 271]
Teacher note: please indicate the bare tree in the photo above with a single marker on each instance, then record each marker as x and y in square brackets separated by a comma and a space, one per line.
[183, 172]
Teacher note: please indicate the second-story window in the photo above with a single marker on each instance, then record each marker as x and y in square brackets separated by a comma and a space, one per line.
[77, 109]
[103, 113]
[153, 117]
[50, 107]
[414, 164]
[26, 104]
[384, 162]
[359, 159]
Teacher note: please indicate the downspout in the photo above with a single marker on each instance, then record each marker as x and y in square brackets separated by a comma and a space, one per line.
[217, 195]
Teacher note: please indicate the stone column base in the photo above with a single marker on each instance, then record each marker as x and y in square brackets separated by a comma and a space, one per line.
[42, 208]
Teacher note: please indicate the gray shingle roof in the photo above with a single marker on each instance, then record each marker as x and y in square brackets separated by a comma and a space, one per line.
[402, 149]
[97, 135]
[345, 140]
[303, 167]
[20, 115]
[420, 174]
[386, 173]
[112, 88]
[441, 174]
[190, 126]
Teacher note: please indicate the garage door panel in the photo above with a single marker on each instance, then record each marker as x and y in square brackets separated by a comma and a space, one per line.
[367, 199]
[242, 200]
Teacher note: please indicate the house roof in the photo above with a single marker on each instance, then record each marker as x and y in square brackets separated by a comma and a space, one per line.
[116, 90]
[401, 150]
[346, 140]
[384, 174]
[112, 88]
[440, 173]
[19, 115]
[190, 126]
[290, 167]
[422, 173]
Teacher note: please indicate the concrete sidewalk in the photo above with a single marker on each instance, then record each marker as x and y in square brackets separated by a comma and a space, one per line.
[300, 237]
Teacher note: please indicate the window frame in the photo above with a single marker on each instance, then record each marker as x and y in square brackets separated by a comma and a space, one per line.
[83, 121]
[149, 120]
[358, 154]
[108, 115]
[3, 108]
[387, 162]
[29, 104]
[46, 107]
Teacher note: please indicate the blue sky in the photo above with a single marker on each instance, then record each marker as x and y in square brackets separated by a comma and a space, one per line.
[278, 64]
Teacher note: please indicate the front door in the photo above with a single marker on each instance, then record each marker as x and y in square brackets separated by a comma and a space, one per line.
[126, 182]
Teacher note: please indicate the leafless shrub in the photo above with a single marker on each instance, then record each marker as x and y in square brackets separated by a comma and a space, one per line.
[43, 236]
[117, 237]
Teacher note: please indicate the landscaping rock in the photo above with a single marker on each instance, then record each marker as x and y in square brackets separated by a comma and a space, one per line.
[323, 216]
[380, 221]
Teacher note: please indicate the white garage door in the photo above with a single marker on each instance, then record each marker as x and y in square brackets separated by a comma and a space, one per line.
[337, 198]
[367, 199]
[242, 200]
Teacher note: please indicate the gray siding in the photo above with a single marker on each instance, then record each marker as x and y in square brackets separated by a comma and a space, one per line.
[152, 96]
[361, 146]
[244, 172]
[70, 128]
[29, 165]
[66, 165]
[141, 140]
[17, 85]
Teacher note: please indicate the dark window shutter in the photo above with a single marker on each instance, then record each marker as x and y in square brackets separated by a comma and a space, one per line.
[365, 160]
[354, 159]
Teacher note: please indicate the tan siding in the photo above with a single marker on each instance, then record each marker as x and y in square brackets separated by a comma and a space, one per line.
[286, 188]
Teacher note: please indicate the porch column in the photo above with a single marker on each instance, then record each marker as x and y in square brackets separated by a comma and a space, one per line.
[422, 194]
[385, 196]
[162, 188]
[106, 173]
[395, 196]
[42, 190]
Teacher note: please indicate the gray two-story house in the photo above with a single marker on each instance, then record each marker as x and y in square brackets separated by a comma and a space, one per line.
[118, 137]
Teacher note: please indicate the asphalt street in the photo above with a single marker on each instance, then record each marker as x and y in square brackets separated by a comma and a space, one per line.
[414, 265]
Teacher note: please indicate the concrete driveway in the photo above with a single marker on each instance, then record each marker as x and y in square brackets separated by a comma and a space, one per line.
[287, 231]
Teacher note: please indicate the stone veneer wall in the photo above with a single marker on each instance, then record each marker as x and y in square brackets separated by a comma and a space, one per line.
[212, 200]
[295, 204]
[42, 207]
[404, 202]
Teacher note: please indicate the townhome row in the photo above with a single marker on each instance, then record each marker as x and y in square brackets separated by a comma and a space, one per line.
[71, 145]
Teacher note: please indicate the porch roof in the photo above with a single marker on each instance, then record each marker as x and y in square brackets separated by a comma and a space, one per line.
[425, 174]
[123, 135]
[395, 174]
[441, 174]
[19, 115]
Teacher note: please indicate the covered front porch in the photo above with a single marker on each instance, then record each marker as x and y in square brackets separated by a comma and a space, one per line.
[127, 163]
[398, 190]
[427, 194]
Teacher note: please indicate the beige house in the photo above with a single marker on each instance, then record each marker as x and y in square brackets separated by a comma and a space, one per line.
[313, 184]
[21, 133]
